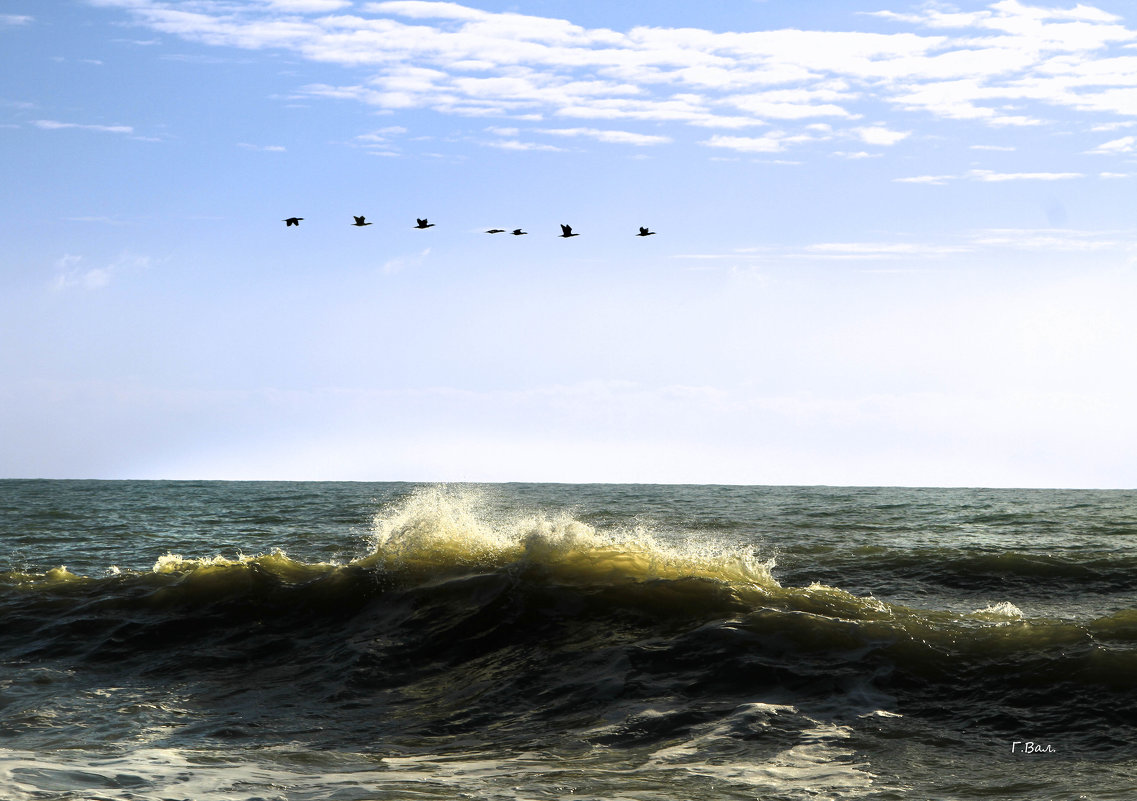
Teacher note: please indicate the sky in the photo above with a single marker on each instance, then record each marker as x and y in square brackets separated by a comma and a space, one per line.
[895, 241]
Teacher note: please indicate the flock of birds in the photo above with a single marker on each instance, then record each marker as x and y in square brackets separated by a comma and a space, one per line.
[566, 230]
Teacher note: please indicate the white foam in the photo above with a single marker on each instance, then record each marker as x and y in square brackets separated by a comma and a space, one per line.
[817, 765]
[443, 525]
[1004, 611]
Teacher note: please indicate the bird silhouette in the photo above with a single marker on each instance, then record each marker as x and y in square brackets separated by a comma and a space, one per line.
[423, 223]
[518, 232]
[566, 231]
[496, 231]
[292, 221]
[361, 221]
[645, 232]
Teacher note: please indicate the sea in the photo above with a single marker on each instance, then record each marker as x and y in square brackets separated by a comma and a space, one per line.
[276, 641]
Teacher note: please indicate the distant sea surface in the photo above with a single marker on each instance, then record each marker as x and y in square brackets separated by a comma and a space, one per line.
[354, 641]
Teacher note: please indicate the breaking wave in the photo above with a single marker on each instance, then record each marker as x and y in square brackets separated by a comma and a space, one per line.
[462, 621]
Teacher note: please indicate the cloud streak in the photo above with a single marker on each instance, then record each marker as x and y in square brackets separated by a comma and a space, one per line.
[54, 125]
[987, 241]
[990, 176]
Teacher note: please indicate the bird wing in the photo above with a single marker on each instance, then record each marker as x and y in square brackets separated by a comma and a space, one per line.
[566, 229]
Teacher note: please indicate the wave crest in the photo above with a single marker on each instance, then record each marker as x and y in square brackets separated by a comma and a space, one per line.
[446, 528]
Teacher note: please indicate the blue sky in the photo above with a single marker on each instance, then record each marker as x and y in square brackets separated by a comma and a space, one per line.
[896, 241]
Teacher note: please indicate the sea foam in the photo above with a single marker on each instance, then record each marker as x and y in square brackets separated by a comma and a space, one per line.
[440, 526]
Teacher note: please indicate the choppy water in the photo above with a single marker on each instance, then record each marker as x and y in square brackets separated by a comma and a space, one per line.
[211, 640]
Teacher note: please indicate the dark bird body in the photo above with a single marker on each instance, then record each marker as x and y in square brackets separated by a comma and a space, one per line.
[423, 223]
[360, 221]
[496, 231]
[645, 232]
[518, 232]
[566, 231]
[292, 221]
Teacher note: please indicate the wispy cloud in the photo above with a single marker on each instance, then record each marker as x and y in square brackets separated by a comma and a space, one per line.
[97, 219]
[771, 143]
[262, 148]
[310, 6]
[616, 137]
[925, 179]
[917, 252]
[516, 144]
[879, 250]
[379, 142]
[73, 271]
[397, 265]
[990, 176]
[1125, 144]
[1063, 239]
[54, 125]
[15, 19]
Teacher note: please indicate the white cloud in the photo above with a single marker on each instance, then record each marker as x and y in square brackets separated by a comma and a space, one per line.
[72, 272]
[53, 125]
[401, 263]
[880, 135]
[15, 19]
[989, 241]
[1050, 240]
[1008, 64]
[748, 144]
[925, 179]
[1125, 144]
[515, 144]
[97, 219]
[617, 137]
[263, 148]
[992, 176]
[880, 250]
[309, 6]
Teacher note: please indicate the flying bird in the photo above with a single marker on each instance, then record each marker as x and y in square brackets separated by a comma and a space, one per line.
[292, 221]
[423, 223]
[645, 232]
[518, 232]
[361, 221]
[566, 231]
[496, 231]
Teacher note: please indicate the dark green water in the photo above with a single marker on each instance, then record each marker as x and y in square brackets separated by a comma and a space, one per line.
[193, 640]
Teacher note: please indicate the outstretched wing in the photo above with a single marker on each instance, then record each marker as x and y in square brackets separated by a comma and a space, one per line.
[566, 230]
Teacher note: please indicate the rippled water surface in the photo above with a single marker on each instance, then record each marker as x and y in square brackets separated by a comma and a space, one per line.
[169, 640]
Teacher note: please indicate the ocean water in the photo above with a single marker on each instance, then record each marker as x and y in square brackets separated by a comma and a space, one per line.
[352, 641]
